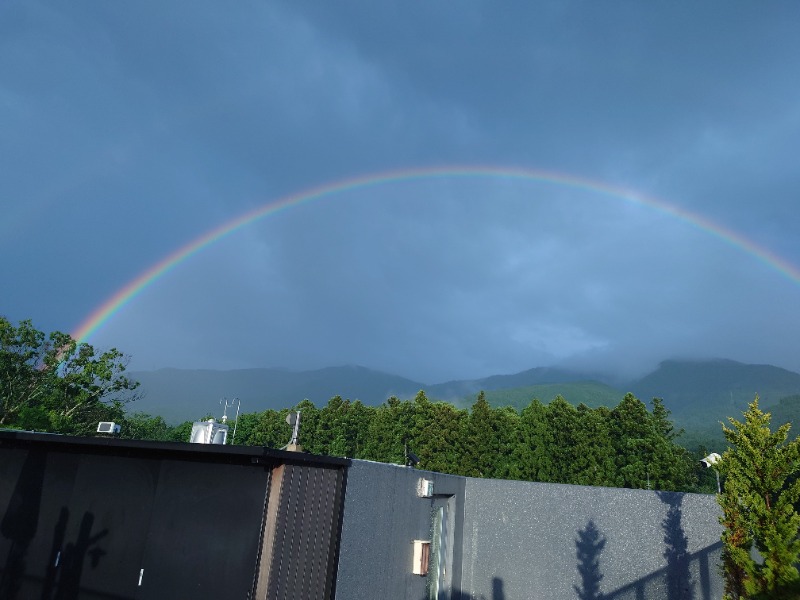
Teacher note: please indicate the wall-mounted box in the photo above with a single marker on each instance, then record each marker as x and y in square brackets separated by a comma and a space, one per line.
[421, 558]
[425, 488]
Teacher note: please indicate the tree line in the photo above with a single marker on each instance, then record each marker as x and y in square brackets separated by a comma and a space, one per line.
[625, 446]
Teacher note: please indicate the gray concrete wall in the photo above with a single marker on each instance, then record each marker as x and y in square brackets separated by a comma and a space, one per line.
[520, 540]
[532, 540]
[382, 516]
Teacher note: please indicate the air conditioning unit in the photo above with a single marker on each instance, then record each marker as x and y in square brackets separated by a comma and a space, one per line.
[209, 432]
[108, 427]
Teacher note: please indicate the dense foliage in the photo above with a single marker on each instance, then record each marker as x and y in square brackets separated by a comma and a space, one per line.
[627, 446]
[53, 383]
[759, 509]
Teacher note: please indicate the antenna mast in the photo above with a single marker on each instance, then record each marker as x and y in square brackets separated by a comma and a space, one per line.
[226, 404]
[293, 419]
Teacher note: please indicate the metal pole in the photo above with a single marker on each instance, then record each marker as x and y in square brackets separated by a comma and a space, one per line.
[236, 422]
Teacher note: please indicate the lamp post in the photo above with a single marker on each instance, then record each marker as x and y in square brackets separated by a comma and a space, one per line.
[710, 461]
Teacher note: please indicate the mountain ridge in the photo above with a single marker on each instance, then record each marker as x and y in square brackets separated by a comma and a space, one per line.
[695, 391]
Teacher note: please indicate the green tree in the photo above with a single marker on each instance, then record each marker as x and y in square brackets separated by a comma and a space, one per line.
[506, 423]
[489, 439]
[531, 454]
[52, 382]
[267, 428]
[632, 433]
[478, 437]
[343, 427]
[758, 505]
[309, 426]
[562, 419]
[390, 431]
[594, 455]
[141, 426]
[181, 432]
[671, 466]
[436, 435]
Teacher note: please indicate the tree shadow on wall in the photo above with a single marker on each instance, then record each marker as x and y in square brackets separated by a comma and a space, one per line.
[676, 549]
[74, 558]
[588, 546]
[20, 522]
[497, 593]
[20, 525]
[51, 573]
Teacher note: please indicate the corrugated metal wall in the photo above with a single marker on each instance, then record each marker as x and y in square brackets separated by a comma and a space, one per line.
[301, 534]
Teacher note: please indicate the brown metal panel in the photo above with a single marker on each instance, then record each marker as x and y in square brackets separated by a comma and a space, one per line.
[282, 559]
[258, 563]
[283, 533]
[269, 532]
[301, 534]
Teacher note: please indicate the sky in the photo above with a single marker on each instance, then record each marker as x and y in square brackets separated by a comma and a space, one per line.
[592, 185]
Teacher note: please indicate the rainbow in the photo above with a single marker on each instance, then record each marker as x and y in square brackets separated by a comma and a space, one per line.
[130, 290]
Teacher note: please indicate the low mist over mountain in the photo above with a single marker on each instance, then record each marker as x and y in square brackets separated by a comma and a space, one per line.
[186, 394]
[699, 393]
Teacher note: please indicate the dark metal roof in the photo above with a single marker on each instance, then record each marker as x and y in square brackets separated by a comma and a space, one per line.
[178, 450]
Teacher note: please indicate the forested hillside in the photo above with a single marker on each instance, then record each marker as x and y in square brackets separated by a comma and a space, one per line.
[590, 393]
[624, 446]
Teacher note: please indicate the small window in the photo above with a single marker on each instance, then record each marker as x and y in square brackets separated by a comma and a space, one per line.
[435, 561]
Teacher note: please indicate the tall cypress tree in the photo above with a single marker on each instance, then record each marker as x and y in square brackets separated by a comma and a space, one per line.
[671, 466]
[480, 441]
[631, 429]
[531, 454]
[437, 436]
[506, 425]
[386, 434]
[758, 504]
[594, 454]
[562, 419]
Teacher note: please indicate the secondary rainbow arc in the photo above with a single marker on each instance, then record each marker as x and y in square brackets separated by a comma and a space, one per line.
[130, 290]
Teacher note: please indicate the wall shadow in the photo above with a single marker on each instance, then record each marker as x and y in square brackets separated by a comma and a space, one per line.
[498, 593]
[54, 558]
[588, 546]
[497, 589]
[60, 577]
[680, 585]
[20, 522]
[74, 558]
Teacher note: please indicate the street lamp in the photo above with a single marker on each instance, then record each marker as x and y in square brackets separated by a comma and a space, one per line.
[710, 461]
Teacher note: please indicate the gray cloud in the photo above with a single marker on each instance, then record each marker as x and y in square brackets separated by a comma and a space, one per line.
[130, 130]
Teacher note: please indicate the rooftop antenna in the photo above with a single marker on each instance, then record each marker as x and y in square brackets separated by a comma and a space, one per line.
[293, 419]
[228, 403]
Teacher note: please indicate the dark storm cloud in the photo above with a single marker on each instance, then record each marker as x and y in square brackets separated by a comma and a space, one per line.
[131, 129]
